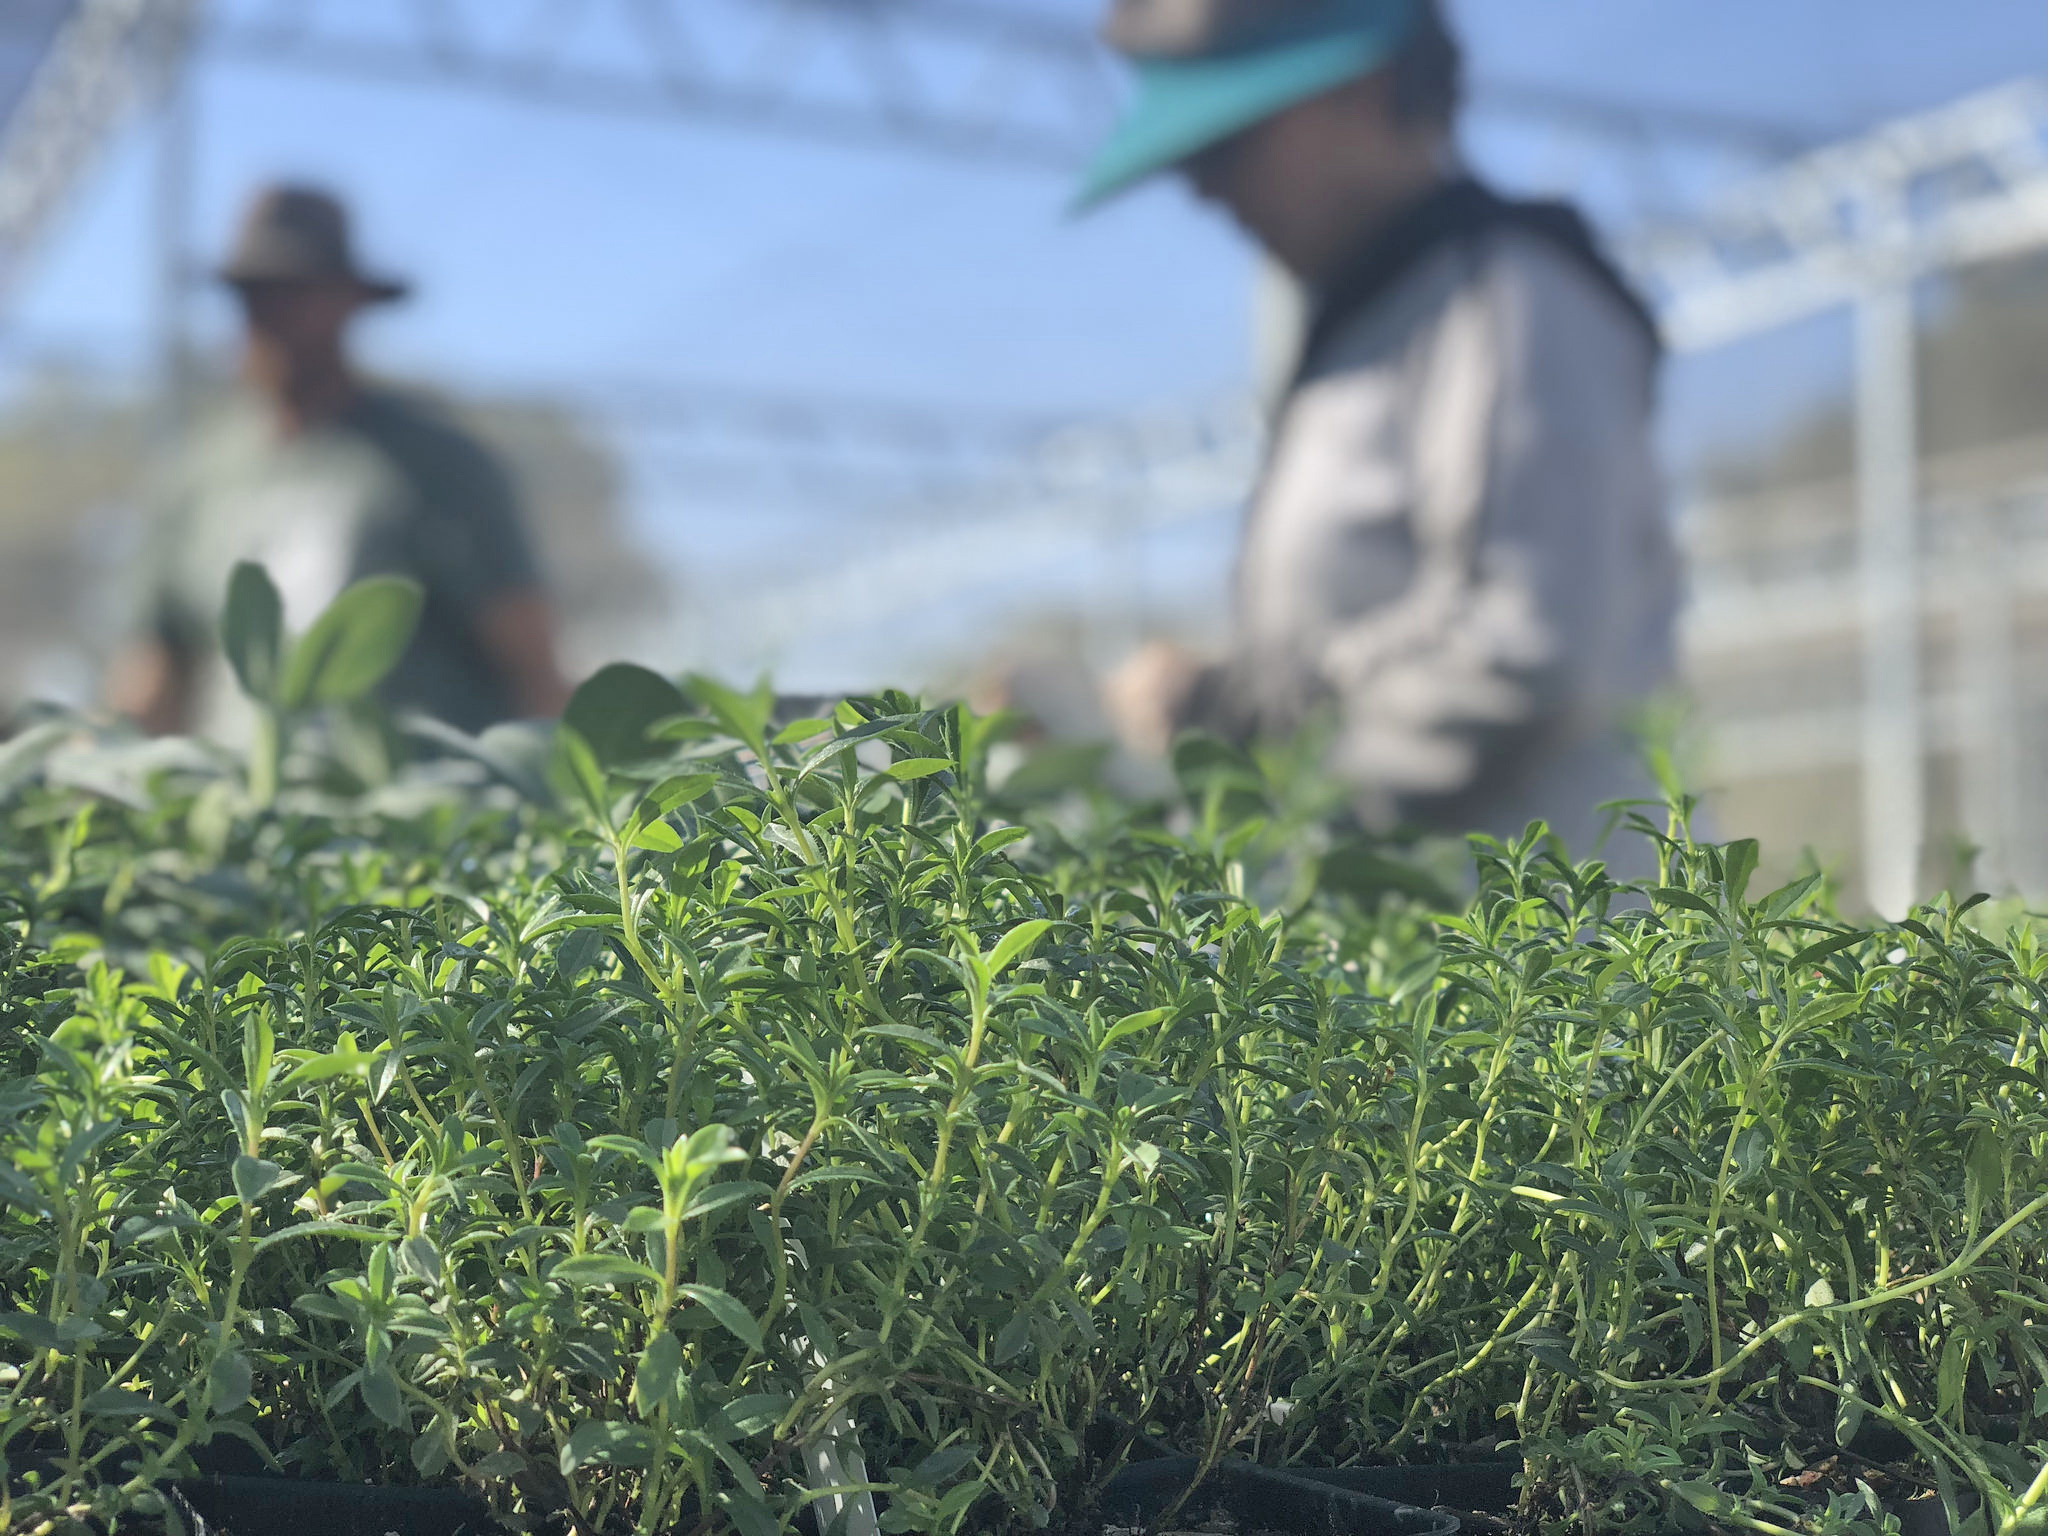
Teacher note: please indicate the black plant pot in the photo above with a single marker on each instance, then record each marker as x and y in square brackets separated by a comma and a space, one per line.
[272, 1506]
[1484, 1487]
[1263, 1499]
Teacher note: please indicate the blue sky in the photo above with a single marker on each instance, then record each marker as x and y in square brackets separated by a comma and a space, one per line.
[553, 247]
[554, 250]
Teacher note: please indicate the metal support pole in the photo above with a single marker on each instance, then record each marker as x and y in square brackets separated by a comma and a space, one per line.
[1986, 653]
[1887, 460]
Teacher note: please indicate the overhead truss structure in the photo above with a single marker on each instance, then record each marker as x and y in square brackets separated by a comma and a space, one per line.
[1003, 81]
[1951, 188]
[102, 57]
[996, 79]
[973, 77]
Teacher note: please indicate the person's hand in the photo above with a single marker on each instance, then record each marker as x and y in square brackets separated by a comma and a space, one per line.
[517, 632]
[1146, 695]
[152, 685]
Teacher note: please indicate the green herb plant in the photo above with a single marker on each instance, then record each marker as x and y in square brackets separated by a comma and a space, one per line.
[610, 1139]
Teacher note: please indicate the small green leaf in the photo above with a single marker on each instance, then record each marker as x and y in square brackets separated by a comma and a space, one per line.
[919, 768]
[626, 1146]
[252, 630]
[430, 1450]
[1788, 899]
[655, 1377]
[708, 1149]
[1820, 1293]
[603, 1269]
[744, 715]
[256, 1177]
[1825, 947]
[574, 770]
[1984, 1168]
[658, 837]
[1416, 977]
[1752, 1150]
[1849, 1412]
[354, 644]
[675, 793]
[1951, 1376]
[16, 1190]
[733, 1317]
[940, 1466]
[228, 1382]
[1703, 1496]
[35, 1331]
[749, 1513]
[1739, 863]
[418, 1257]
[1678, 896]
[616, 709]
[348, 1062]
[1015, 944]
[1014, 1339]
[755, 1413]
[606, 1442]
[1135, 1023]
[378, 1385]
[996, 841]
[578, 952]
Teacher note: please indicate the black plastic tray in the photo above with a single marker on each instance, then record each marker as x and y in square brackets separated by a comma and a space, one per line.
[1264, 1499]
[271, 1506]
[1481, 1486]
[1357, 1501]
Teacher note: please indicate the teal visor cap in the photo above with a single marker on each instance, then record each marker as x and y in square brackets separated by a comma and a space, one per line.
[1184, 106]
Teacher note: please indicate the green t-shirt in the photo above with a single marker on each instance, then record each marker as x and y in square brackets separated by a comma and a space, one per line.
[392, 487]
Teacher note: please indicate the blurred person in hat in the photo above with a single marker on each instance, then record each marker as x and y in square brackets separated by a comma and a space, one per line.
[1458, 547]
[324, 478]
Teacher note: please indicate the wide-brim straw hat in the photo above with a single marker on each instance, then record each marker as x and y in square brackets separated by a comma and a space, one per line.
[295, 234]
[1209, 69]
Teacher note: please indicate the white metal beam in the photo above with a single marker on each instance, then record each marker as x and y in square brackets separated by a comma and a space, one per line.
[1888, 505]
[109, 54]
[1967, 184]
[987, 80]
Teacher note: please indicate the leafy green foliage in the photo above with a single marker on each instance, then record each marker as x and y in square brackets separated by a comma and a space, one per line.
[609, 1155]
[616, 711]
[252, 630]
[352, 646]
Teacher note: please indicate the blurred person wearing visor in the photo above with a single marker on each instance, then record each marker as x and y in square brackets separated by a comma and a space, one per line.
[324, 478]
[1458, 546]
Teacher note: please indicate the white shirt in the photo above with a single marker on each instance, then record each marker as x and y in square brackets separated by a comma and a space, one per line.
[1461, 542]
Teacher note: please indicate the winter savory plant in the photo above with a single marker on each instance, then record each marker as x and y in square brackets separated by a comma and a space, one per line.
[699, 1120]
